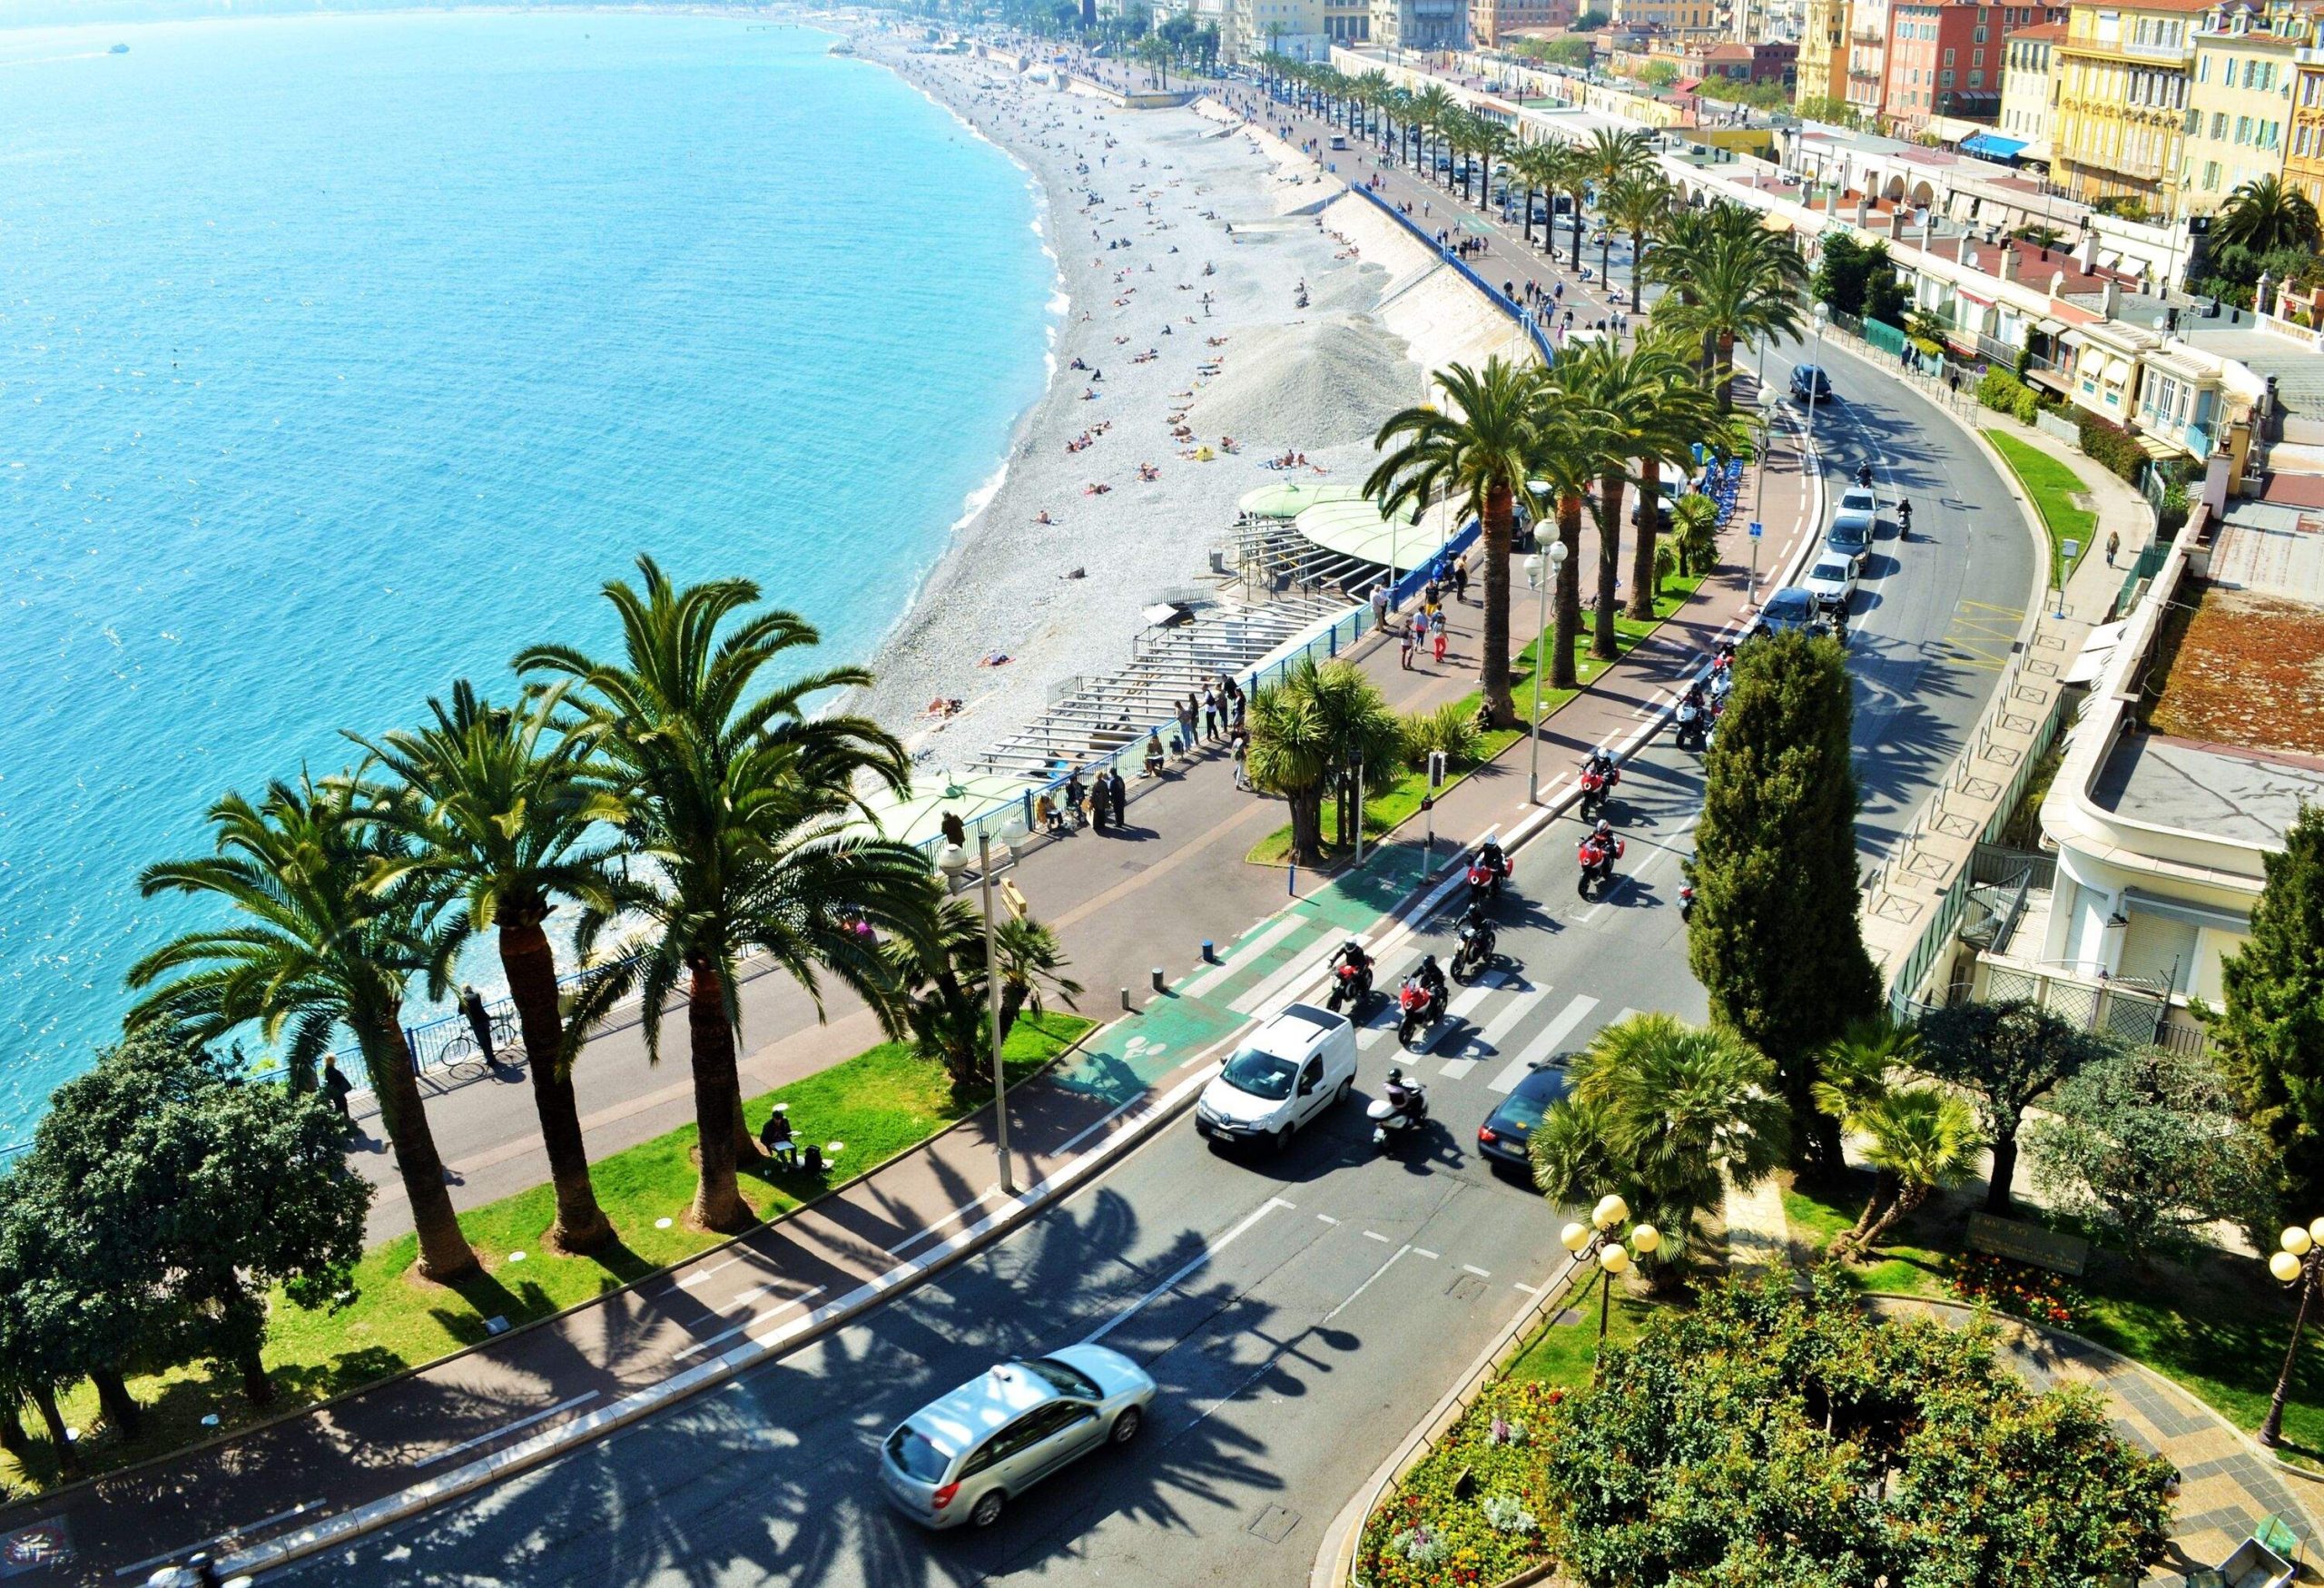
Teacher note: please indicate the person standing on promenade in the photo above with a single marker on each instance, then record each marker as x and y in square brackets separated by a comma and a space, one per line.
[479, 1021]
[2114, 545]
[1099, 803]
[1404, 647]
[1436, 634]
[1380, 605]
[336, 1087]
[1461, 578]
[1186, 710]
[1120, 792]
[1210, 722]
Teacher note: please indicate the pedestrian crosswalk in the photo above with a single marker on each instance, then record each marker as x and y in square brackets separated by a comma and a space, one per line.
[1543, 1046]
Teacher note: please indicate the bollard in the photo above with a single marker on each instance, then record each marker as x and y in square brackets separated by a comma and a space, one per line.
[1209, 952]
[1156, 974]
[1126, 1005]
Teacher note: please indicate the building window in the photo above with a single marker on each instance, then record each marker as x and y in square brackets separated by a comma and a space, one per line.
[1948, 57]
[1976, 79]
[1945, 80]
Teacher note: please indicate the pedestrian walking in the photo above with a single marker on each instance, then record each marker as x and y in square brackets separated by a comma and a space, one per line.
[1235, 700]
[336, 1088]
[1433, 592]
[1210, 713]
[2114, 545]
[479, 1020]
[1120, 792]
[1242, 760]
[1420, 628]
[1436, 636]
[1461, 578]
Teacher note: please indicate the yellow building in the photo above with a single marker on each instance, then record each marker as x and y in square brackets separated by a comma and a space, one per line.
[2304, 153]
[2121, 97]
[1823, 70]
[1666, 17]
[2026, 83]
[2239, 110]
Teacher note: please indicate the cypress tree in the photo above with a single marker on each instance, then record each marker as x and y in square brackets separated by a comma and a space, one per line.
[2270, 1034]
[1775, 939]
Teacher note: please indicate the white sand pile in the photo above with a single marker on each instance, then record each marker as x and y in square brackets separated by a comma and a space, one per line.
[1321, 382]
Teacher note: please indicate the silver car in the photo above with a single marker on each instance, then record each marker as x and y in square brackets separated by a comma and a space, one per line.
[964, 1457]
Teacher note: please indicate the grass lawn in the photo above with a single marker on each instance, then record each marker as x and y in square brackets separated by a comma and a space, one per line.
[2219, 1328]
[1383, 810]
[880, 1103]
[2053, 488]
[1564, 1353]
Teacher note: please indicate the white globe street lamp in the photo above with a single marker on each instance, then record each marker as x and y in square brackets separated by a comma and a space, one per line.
[2298, 1258]
[1595, 1242]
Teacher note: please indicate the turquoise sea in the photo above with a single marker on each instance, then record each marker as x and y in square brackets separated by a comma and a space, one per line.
[341, 356]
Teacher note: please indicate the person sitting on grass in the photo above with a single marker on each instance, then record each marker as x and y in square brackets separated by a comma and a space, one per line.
[775, 1137]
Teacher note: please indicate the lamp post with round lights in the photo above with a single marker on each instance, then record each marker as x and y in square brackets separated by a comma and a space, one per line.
[2298, 1259]
[952, 860]
[1596, 1242]
[1543, 576]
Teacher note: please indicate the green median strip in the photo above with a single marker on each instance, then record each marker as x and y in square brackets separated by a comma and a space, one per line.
[880, 1104]
[2052, 486]
[1384, 812]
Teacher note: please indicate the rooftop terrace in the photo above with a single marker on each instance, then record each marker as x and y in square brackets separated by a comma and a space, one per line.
[2250, 796]
[2242, 667]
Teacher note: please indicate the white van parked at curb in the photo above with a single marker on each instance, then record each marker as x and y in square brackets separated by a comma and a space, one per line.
[1290, 1070]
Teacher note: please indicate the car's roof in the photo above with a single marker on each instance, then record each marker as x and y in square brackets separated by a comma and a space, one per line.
[1544, 1083]
[954, 1423]
[1790, 595]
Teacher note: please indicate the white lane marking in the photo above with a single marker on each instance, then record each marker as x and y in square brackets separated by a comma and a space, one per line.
[1295, 972]
[1243, 953]
[1543, 1046]
[1497, 1029]
[748, 1323]
[1458, 1069]
[1376, 1235]
[699, 1275]
[1422, 1252]
[1360, 1289]
[485, 1438]
[1480, 1273]
[1327, 1218]
[1528, 1289]
[987, 1195]
[1201, 1257]
[1625, 1014]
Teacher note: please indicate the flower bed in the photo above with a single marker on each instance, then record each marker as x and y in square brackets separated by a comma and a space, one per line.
[1476, 1509]
[2036, 1295]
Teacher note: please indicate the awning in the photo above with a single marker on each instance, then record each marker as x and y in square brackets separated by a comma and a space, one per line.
[1994, 146]
[2118, 372]
[2048, 327]
[1775, 224]
[1355, 529]
[2191, 914]
[1288, 498]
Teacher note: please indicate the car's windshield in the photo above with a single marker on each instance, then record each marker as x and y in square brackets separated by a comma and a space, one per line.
[1263, 1075]
[1832, 572]
[1062, 1376]
[917, 1455]
[1859, 501]
[1788, 604]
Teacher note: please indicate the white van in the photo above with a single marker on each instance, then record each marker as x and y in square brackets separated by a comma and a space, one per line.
[1291, 1070]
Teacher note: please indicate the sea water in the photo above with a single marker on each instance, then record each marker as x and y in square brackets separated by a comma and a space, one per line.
[341, 357]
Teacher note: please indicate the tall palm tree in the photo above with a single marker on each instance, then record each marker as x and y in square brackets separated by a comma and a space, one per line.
[1533, 164]
[1375, 89]
[1578, 440]
[1575, 171]
[1739, 280]
[1636, 203]
[1311, 732]
[1481, 453]
[741, 805]
[1493, 144]
[1921, 1138]
[1432, 109]
[337, 925]
[2265, 214]
[506, 810]
[1655, 412]
[1668, 1112]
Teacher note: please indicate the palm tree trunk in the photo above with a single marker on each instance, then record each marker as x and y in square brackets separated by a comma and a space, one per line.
[1577, 228]
[1605, 642]
[1907, 1198]
[1493, 665]
[531, 968]
[1725, 372]
[68, 1460]
[445, 1254]
[1568, 595]
[1649, 524]
[1638, 263]
[118, 1405]
[13, 1437]
[1012, 1004]
[1306, 826]
[718, 1204]
[1884, 1191]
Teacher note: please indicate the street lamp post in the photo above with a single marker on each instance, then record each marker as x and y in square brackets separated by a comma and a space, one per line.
[2298, 1260]
[1543, 580]
[952, 860]
[1596, 1242]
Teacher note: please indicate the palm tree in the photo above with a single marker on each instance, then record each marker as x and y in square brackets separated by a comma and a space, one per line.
[1481, 458]
[1031, 958]
[1665, 1113]
[339, 925]
[1854, 1076]
[503, 808]
[949, 1012]
[741, 805]
[1656, 412]
[1636, 203]
[1577, 442]
[1694, 527]
[1373, 88]
[1311, 732]
[1431, 108]
[1492, 143]
[1921, 1138]
[1614, 157]
[1739, 280]
[2265, 214]
[1534, 164]
[1576, 169]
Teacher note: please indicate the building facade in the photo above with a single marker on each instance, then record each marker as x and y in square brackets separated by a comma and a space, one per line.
[1944, 59]
[2304, 156]
[2124, 76]
[1489, 21]
[1420, 25]
[1678, 18]
[2026, 86]
[2238, 119]
[1868, 78]
[1822, 68]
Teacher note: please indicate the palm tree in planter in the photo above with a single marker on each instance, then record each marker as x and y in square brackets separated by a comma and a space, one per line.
[1694, 527]
[1921, 1138]
[337, 922]
[1312, 732]
[745, 812]
[2266, 214]
[1656, 412]
[1480, 451]
[509, 810]
[948, 1013]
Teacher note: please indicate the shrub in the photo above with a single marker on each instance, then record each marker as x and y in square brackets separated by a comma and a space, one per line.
[2036, 1295]
[2002, 390]
[1666, 563]
[1448, 728]
[2173, 516]
[2109, 446]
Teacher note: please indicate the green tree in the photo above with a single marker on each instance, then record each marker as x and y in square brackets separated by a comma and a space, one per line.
[2269, 1030]
[949, 1015]
[1656, 411]
[2008, 1056]
[1310, 732]
[1479, 452]
[1658, 74]
[1636, 203]
[336, 925]
[1694, 525]
[2147, 1145]
[1776, 937]
[1885, 299]
[1732, 280]
[1918, 1138]
[743, 809]
[1664, 1113]
[1843, 268]
[2267, 213]
[509, 810]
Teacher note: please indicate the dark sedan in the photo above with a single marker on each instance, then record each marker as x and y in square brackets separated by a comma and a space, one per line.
[1506, 1130]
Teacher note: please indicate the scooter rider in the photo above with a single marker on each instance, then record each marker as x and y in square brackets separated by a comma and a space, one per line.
[1399, 1095]
[1903, 518]
[1863, 475]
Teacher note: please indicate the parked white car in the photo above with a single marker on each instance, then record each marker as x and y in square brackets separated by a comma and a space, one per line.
[1832, 580]
[1292, 1068]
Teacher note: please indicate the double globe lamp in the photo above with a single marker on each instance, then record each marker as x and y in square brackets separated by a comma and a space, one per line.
[1596, 1242]
[2297, 1261]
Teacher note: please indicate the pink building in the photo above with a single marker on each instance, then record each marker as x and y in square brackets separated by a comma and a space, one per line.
[1944, 59]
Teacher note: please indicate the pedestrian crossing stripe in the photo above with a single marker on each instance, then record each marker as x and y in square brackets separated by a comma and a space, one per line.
[1547, 1043]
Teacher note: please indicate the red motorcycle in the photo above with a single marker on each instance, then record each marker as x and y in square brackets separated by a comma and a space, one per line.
[1484, 879]
[1351, 986]
[1596, 787]
[1417, 1009]
[1598, 856]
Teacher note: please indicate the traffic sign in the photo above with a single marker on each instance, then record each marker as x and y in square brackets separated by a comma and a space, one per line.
[1754, 529]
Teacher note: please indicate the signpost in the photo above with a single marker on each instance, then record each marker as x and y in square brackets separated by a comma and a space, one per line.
[2028, 1243]
[1751, 590]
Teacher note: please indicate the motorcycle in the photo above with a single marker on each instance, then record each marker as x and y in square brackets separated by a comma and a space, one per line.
[1596, 858]
[1417, 1010]
[1597, 787]
[1691, 726]
[1352, 987]
[1863, 475]
[1474, 952]
[1686, 904]
[1485, 881]
[1389, 1121]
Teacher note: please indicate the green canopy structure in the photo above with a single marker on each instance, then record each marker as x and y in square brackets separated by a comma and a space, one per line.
[1288, 498]
[1356, 528]
[918, 816]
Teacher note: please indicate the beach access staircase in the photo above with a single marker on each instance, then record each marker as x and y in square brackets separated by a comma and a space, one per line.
[1269, 557]
[1092, 719]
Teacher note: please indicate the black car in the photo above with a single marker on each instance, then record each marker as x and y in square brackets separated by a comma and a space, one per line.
[1810, 384]
[1790, 609]
[1506, 1130]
